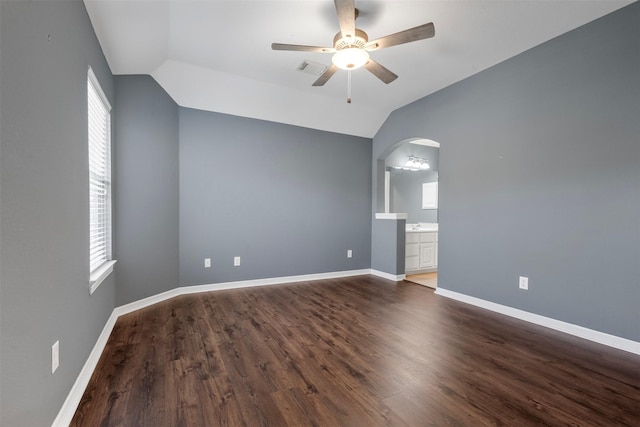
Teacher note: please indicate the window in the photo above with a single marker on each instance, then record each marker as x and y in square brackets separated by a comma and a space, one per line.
[99, 137]
[430, 195]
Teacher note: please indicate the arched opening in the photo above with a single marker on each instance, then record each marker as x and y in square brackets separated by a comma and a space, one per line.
[407, 191]
[408, 145]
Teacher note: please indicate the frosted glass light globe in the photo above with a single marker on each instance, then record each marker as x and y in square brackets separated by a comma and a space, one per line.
[350, 58]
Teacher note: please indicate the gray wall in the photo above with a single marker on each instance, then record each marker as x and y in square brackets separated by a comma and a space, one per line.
[145, 159]
[191, 185]
[287, 200]
[545, 146]
[388, 255]
[46, 48]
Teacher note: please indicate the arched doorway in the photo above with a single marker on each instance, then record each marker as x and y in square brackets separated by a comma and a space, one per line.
[407, 192]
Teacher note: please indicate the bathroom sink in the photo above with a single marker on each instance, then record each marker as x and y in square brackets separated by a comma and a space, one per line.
[422, 227]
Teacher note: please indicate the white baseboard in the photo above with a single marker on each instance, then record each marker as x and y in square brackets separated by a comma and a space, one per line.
[184, 290]
[146, 302]
[388, 276]
[558, 325]
[66, 413]
[72, 401]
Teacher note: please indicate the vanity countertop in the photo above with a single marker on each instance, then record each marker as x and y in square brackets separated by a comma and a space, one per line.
[422, 227]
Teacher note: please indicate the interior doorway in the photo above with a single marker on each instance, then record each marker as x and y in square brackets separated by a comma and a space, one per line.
[409, 168]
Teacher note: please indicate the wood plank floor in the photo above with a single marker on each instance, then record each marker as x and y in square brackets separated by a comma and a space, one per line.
[360, 351]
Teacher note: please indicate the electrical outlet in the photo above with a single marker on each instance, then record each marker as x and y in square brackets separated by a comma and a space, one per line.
[523, 283]
[207, 263]
[55, 356]
[349, 253]
[236, 261]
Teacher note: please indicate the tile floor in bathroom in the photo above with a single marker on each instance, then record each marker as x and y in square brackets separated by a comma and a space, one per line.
[426, 279]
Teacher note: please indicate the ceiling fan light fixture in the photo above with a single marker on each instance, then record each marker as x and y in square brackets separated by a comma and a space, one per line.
[350, 58]
[351, 46]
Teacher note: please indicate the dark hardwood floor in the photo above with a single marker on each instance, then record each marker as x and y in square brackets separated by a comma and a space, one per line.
[360, 351]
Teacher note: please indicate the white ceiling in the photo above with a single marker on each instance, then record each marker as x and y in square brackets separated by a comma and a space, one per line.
[216, 54]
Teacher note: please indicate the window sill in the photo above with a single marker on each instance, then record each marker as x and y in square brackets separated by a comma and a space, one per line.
[99, 274]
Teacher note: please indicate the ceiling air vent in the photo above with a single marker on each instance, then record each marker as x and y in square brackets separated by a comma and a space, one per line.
[313, 68]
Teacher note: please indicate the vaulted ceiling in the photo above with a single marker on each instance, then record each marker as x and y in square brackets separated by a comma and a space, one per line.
[216, 54]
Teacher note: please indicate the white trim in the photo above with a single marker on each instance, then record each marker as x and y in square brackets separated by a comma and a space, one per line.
[425, 142]
[99, 274]
[146, 302]
[392, 216]
[272, 281]
[185, 290]
[96, 85]
[72, 401]
[421, 271]
[558, 325]
[387, 190]
[388, 276]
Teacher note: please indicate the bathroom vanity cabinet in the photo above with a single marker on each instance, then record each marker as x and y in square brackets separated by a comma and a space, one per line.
[421, 252]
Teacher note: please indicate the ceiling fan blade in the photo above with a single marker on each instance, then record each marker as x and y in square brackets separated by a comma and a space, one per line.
[346, 11]
[420, 32]
[380, 72]
[326, 76]
[301, 48]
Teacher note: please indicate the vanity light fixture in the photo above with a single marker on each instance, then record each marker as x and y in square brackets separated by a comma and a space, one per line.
[416, 164]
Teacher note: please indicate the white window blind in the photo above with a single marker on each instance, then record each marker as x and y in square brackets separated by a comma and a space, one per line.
[99, 121]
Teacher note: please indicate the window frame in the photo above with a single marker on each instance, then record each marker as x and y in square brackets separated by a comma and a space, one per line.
[99, 171]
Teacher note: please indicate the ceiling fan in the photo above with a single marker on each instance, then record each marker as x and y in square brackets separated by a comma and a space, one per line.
[351, 46]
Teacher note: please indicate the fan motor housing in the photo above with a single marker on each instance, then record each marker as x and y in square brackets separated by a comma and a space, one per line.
[361, 38]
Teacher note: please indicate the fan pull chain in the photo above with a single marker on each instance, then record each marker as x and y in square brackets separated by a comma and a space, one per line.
[348, 86]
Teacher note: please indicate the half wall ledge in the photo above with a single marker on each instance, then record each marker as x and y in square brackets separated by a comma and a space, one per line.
[396, 216]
